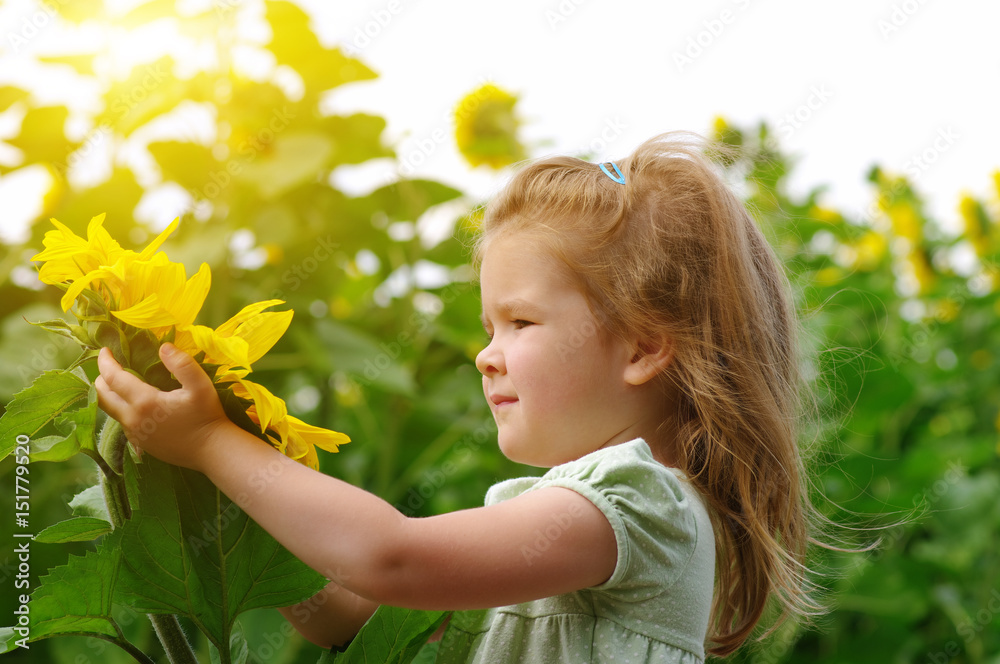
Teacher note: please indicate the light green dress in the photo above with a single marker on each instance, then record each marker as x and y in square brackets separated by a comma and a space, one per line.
[654, 608]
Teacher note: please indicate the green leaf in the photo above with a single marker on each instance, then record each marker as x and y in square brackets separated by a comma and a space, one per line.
[391, 635]
[7, 640]
[52, 394]
[405, 200]
[294, 43]
[90, 502]
[144, 351]
[42, 138]
[191, 551]
[113, 337]
[187, 164]
[54, 448]
[75, 431]
[77, 598]
[292, 160]
[356, 138]
[59, 326]
[78, 529]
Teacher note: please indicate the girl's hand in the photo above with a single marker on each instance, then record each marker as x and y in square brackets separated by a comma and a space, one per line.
[174, 426]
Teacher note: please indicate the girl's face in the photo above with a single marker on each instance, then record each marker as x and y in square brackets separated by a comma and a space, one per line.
[554, 381]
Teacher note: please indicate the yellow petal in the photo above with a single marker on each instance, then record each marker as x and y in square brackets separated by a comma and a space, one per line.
[310, 459]
[246, 313]
[322, 438]
[58, 271]
[229, 351]
[95, 224]
[155, 244]
[100, 241]
[297, 448]
[192, 296]
[77, 287]
[263, 331]
[144, 278]
[270, 409]
[146, 314]
[61, 243]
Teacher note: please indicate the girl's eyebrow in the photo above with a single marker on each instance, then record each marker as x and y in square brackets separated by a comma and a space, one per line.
[515, 308]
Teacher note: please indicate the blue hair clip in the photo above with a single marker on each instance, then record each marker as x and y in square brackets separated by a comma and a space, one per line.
[620, 179]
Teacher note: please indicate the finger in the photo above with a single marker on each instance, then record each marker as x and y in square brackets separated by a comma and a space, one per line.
[106, 362]
[188, 372]
[119, 381]
[108, 401]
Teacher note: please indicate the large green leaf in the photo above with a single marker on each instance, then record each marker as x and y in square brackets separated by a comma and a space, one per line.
[391, 636]
[77, 598]
[290, 160]
[191, 551]
[51, 395]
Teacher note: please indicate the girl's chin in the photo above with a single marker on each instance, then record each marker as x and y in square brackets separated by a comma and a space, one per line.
[518, 452]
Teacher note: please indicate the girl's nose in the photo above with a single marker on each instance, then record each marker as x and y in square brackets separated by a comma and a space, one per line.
[490, 360]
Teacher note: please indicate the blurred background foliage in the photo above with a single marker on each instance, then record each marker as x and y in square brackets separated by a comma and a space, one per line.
[900, 316]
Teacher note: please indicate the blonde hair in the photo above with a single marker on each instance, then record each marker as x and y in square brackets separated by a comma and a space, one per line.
[674, 252]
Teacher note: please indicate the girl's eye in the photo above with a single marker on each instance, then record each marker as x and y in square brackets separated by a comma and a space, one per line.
[519, 323]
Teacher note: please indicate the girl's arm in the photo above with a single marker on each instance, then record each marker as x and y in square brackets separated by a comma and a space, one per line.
[539, 544]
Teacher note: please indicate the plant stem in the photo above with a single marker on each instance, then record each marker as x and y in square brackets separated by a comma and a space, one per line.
[131, 649]
[112, 444]
[112, 449]
[169, 631]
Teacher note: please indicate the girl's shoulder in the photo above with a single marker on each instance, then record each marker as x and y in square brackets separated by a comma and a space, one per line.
[627, 467]
[634, 491]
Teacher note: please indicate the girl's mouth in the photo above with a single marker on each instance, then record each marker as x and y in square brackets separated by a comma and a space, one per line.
[500, 400]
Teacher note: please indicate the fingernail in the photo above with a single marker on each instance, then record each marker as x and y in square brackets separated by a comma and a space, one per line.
[167, 349]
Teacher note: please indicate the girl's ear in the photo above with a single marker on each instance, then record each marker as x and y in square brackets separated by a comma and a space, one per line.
[651, 358]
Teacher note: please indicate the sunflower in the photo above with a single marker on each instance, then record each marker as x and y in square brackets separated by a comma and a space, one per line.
[139, 300]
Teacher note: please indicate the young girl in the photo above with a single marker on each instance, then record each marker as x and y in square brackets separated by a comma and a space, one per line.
[642, 349]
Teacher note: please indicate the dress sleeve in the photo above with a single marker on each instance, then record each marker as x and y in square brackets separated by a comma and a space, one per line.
[650, 512]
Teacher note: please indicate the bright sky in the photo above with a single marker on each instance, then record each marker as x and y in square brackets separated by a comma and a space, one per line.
[908, 84]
